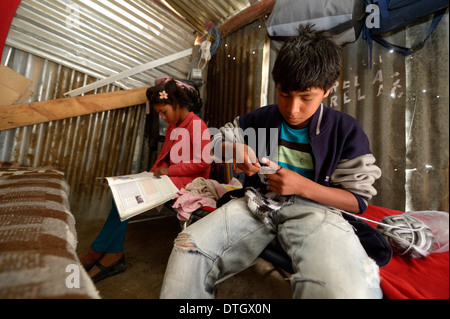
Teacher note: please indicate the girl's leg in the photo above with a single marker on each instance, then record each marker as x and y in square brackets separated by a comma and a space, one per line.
[109, 243]
[112, 236]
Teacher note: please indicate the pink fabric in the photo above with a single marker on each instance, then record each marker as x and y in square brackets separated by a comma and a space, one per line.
[200, 193]
[188, 203]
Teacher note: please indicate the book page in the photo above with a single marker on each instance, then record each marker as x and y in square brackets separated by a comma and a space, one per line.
[156, 188]
[137, 193]
[130, 195]
[127, 178]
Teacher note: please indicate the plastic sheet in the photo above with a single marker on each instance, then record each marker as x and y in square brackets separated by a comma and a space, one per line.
[438, 222]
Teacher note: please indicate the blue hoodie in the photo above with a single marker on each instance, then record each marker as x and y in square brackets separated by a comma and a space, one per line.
[340, 147]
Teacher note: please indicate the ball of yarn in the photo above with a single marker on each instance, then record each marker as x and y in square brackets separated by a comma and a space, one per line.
[407, 235]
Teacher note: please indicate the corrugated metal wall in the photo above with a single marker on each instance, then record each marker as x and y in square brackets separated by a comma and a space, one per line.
[366, 93]
[402, 104]
[84, 148]
[63, 45]
[427, 120]
[235, 74]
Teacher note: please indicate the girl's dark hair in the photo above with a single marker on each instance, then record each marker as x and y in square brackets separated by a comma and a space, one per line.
[169, 92]
[311, 60]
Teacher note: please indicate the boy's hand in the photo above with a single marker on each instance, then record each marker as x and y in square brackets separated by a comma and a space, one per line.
[269, 167]
[286, 182]
[244, 157]
[282, 180]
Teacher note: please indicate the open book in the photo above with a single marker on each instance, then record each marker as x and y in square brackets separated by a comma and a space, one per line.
[137, 193]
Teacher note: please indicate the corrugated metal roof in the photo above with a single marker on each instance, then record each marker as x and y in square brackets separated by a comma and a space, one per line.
[102, 38]
[199, 12]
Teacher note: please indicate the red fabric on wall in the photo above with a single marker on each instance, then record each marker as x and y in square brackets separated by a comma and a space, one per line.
[7, 11]
[409, 278]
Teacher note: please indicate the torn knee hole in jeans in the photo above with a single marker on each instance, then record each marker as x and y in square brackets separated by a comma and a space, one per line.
[184, 241]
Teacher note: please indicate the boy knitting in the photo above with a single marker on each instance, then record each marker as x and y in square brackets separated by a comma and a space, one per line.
[322, 165]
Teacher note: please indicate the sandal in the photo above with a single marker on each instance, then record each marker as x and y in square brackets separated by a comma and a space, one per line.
[116, 268]
[87, 256]
[90, 266]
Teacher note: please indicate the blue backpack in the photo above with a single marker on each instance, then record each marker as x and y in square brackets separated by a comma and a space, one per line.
[395, 14]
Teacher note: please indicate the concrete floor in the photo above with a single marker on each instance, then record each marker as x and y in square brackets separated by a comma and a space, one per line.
[148, 245]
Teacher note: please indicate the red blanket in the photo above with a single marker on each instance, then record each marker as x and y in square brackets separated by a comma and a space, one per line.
[409, 278]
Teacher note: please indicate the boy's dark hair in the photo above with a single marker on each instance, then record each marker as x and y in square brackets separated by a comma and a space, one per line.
[175, 96]
[311, 60]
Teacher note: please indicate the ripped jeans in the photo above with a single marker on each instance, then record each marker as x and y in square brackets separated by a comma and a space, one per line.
[327, 257]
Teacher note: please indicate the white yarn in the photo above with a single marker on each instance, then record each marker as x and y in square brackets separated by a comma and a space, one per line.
[372, 221]
[415, 240]
[419, 238]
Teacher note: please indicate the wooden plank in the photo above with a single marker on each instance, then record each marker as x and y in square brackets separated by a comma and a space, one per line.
[256, 11]
[40, 112]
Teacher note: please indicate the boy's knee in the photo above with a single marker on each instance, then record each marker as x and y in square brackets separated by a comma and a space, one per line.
[185, 241]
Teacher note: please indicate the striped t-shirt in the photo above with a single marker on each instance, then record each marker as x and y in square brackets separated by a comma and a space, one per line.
[295, 152]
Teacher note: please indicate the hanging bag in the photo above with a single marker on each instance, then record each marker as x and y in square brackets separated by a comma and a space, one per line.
[395, 14]
[343, 18]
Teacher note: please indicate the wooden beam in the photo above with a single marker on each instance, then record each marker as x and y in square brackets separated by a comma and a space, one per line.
[256, 11]
[40, 112]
